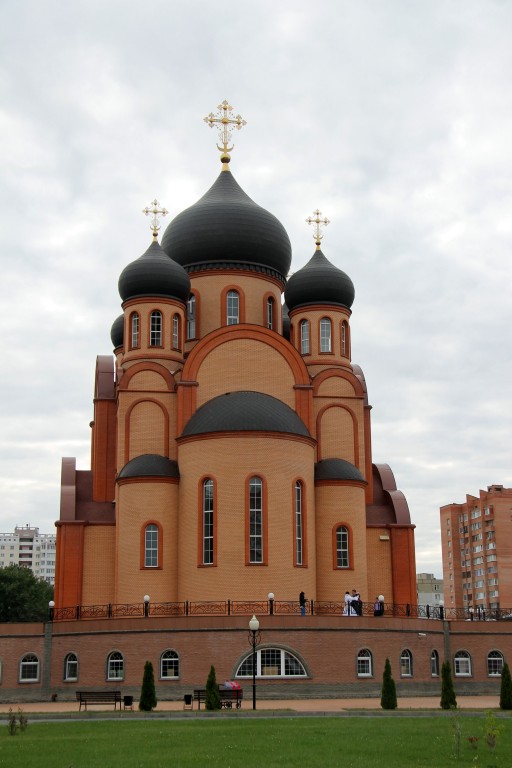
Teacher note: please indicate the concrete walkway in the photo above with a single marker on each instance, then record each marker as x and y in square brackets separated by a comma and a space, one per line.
[294, 705]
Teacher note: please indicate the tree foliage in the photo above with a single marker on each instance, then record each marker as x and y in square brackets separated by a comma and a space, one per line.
[212, 698]
[388, 696]
[506, 688]
[448, 698]
[147, 700]
[23, 597]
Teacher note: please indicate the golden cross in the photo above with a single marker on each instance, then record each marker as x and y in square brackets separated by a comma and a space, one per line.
[318, 222]
[156, 212]
[225, 122]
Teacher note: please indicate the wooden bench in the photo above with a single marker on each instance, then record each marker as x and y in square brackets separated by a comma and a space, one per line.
[228, 697]
[98, 697]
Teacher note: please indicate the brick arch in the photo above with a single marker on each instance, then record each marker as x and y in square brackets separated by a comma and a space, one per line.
[355, 435]
[127, 424]
[341, 374]
[147, 366]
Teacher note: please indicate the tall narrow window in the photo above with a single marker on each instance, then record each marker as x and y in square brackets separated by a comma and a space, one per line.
[155, 336]
[232, 308]
[151, 547]
[344, 338]
[325, 335]
[71, 667]
[115, 666]
[299, 543]
[434, 664]
[208, 522]
[169, 665]
[364, 663]
[494, 664]
[342, 559]
[304, 337]
[406, 663]
[191, 317]
[270, 312]
[462, 664]
[29, 668]
[255, 520]
[176, 331]
[134, 330]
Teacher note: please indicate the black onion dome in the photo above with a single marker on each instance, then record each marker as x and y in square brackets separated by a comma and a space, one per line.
[149, 465]
[245, 412]
[337, 469]
[225, 228]
[154, 274]
[117, 332]
[319, 282]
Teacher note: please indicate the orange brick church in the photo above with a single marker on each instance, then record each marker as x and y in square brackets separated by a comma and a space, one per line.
[231, 439]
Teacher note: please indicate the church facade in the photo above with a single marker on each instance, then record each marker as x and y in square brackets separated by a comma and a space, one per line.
[231, 439]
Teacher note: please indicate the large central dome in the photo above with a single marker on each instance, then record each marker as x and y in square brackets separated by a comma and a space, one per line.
[225, 228]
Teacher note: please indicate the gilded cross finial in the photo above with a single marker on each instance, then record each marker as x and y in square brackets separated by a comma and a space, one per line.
[225, 121]
[153, 210]
[318, 222]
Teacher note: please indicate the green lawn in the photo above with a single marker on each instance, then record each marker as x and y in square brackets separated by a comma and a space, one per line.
[351, 742]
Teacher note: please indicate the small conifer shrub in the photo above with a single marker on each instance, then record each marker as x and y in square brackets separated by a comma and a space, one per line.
[212, 698]
[388, 697]
[147, 700]
[448, 698]
[506, 688]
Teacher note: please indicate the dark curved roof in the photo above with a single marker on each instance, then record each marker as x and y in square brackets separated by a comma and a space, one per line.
[226, 227]
[337, 469]
[154, 274]
[117, 332]
[245, 412]
[149, 465]
[319, 282]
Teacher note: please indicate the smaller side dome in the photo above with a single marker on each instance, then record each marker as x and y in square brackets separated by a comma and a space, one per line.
[117, 332]
[154, 274]
[149, 465]
[319, 282]
[337, 469]
[245, 412]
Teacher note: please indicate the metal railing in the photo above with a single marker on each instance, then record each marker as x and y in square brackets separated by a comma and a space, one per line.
[272, 607]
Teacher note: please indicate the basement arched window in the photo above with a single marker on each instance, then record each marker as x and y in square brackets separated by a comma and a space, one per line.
[272, 662]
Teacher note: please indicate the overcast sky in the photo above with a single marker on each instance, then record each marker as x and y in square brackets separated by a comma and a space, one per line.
[393, 117]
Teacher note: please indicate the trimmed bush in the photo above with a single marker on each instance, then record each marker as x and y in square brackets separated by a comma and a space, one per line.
[388, 697]
[148, 694]
[448, 698]
[212, 699]
[506, 688]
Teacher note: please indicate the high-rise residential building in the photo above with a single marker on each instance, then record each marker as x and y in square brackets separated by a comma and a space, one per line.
[476, 539]
[429, 589]
[30, 549]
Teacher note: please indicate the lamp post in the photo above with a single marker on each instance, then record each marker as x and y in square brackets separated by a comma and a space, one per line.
[271, 602]
[254, 639]
[146, 606]
[51, 608]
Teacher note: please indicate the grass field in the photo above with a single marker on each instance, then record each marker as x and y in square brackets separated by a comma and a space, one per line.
[351, 742]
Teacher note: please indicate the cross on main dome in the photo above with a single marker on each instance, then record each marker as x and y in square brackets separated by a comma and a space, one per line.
[225, 122]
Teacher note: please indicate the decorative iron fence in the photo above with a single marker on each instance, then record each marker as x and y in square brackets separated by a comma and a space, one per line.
[272, 607]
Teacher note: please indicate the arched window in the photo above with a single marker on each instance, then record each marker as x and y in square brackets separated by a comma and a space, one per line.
[208, 523]
[270, 312]
[434, 664]
[304, 337]
[191, 317]
[272, 662]
[169, 665]
[29, 668]
[299, 525]
[342, 553]
[344, 339]
[176, 332]
[325, 335]
[71, 667]
[364, 663]
[134, 330]
[115, 666]
[462, 664]
[255, 520]
[406, 663]
[494, 664]
[232, 308]
[155, 335]
[151, 546]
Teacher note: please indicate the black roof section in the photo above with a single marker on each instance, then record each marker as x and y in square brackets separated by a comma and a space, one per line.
[226, 227]
[337, 469]
[245, 412]
[154, 274]
[319, 282]
[117, 332]
[149, 465]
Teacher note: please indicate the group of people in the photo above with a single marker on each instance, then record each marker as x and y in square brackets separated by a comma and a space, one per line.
[353, 604]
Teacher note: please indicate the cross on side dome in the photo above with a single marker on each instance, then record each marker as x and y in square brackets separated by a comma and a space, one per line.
[318, 222]
[156, 212]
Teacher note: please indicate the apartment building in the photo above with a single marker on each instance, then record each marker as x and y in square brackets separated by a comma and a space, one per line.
[31, 549]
